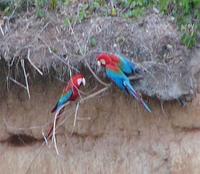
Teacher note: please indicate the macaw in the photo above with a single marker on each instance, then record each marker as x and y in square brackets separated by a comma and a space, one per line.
[114, 73]
[70, 93]
[126, 66]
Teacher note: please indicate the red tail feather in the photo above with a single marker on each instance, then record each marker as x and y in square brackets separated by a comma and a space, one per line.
[49, 135]
[54, 108]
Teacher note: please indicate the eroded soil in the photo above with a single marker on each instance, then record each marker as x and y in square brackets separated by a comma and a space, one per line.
[113, 134]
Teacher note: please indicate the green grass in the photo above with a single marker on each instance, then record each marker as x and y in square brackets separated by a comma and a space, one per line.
[187, 15]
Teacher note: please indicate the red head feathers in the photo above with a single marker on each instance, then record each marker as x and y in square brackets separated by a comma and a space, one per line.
[75, 82]
[106, 59]
[78, 80]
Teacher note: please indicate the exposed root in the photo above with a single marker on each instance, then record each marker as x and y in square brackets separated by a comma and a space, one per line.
[26, 78]
[34, 66]
[95, 76]
[1, 29]
[75, 117]
[95, 94]
[16, 82]
[45, 138]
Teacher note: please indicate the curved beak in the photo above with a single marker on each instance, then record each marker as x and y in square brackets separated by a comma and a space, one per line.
[83, 81]
[98, 63]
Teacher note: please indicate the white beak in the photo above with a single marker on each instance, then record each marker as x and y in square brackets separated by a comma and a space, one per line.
[98, 63]
[83, 81]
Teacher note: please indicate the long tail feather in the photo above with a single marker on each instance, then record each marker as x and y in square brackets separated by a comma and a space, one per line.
[131, 90]
[54, 108]
[145, 105]
[135, 94]
[49, 134]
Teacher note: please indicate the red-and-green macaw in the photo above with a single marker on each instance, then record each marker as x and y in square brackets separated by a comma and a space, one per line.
[114, 73]
[70, 93]
[126, 66]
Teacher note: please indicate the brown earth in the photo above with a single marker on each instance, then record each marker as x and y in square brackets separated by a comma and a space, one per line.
[112, 135]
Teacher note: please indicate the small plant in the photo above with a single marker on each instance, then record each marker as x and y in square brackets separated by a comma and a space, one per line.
[135, 8]
[66, 22]
[187, 15]
[40, 4]
[54, 4]
[93, 41]
[83, 13]
[94, 6]
[164, 5]
[135, 12]
[189, 37]
[9, 6]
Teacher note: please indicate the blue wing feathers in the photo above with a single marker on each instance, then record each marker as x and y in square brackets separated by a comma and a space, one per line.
[117, 78]
[64, 99]
[126, 65]
[122, 81]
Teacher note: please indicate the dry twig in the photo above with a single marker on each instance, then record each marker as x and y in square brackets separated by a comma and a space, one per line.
[2, 31]
[96, 77]
[75, 117]
[45, 138]
[95, 94]
[34, 66]
[26, 79]
[16, 82]
[76, 40]
[57, 56]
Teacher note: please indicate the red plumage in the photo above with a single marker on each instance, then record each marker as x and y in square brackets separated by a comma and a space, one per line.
[72, 88]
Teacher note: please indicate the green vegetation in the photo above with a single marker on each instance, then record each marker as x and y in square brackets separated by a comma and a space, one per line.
[187, 15]
[185, 12]
[8, 6]
[40, 4]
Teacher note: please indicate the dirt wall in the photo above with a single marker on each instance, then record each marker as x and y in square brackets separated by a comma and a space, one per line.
[113, 134]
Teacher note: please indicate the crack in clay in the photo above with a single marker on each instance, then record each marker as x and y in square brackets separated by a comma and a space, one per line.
[186, 129]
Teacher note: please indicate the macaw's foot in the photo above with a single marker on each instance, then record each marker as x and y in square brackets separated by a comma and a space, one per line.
[136, 77]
